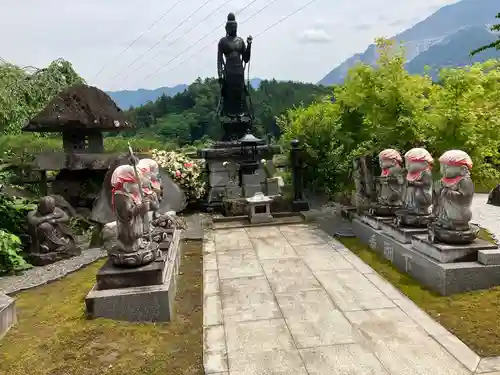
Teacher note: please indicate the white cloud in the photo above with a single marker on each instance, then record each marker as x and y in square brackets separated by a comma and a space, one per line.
[315, 36]
[92, 33]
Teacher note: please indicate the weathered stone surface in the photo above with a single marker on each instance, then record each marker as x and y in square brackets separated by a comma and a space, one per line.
[8, 316]
[401, 234]
[489, 257]
[289, 275]
[238, 263]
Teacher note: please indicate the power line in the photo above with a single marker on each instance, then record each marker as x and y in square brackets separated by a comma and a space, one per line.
[164, 37]
[139, 37]
[180, 37]
[208, 45]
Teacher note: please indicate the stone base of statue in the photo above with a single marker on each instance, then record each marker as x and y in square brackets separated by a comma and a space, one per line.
[66, 251]
[402, 234]
[410, 219]
[219, 180]
[8, 314]
[375, 221]
[445, 269]
[452, 236]
[146, 254]
[383, 210]
[140, 294]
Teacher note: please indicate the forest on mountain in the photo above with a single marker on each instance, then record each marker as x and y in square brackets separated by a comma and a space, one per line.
[191, 115]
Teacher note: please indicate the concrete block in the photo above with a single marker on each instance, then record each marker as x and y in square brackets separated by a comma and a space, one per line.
[444, 278]
[375, 221]
[489, 257]
[8, 316]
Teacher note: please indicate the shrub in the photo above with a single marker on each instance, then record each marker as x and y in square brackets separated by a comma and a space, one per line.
[10, 253]
[186, 172]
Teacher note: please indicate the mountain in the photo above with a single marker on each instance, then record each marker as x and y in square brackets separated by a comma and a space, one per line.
[445, 38]
[135, 98]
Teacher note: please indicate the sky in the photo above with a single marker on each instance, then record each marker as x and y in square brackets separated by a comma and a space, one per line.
[112, 45]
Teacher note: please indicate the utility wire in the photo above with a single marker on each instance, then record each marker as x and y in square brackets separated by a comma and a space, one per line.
[137, 39]
[180, 37]
[163, 38]
[206, 35]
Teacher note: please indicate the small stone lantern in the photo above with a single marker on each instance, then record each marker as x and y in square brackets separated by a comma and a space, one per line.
[259, 209]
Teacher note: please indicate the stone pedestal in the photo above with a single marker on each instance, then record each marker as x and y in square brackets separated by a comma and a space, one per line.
[401, 234]
[444, 278]
[142, 294]
[445, 253]
[218, 175]
[259, 209]
[42, 259]
[8, 316]
[375, 221]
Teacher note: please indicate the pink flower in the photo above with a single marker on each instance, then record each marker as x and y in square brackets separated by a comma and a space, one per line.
[188, 165]
[177, 173]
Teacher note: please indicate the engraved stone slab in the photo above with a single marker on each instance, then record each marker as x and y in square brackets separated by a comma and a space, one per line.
[445, 253]
[401, 234]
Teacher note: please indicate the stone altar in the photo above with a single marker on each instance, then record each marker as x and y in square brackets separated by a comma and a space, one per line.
[259, 209]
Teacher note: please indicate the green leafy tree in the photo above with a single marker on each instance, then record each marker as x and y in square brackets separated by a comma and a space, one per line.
[495, 44]
[26, 91]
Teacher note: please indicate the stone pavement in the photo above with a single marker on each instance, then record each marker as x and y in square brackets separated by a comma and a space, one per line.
[290, 300]
[486, 215]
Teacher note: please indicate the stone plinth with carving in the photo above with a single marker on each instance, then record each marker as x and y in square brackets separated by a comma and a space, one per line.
[259, 208]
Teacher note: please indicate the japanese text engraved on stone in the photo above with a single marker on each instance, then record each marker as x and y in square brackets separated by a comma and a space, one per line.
[407, 263]
[373, 242]
[388, 251]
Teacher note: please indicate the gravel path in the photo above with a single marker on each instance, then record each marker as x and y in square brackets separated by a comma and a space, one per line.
[42, 275]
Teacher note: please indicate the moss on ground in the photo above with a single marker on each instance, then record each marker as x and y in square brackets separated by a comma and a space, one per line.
[473, 317]
[53, 337]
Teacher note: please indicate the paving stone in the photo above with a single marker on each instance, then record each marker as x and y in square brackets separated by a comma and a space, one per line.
[402, 346]
[358, 263]
[212, 310]
[263, 232]
[459, 350]
[232, 239]
[273, 248]
[352, 359]
[246, 299]
[289, 275]
[385, 287]
[351, 290]
[238, 263]
[303, 237]
[209, 262]
[487, 365]
[322, 257]
[214, 350]
[208, 246]
[275, 362]
[210, 282]
[257, 336]
[313, 320]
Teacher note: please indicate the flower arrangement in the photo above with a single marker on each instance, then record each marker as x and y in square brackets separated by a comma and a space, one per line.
[186, 172]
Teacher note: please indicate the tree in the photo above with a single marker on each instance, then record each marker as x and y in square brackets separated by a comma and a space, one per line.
[26, 91]
[495, 44]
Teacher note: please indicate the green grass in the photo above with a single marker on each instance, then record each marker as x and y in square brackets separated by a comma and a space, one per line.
[53, 337]
[473, 317]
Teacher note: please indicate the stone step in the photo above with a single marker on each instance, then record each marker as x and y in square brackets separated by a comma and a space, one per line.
[8, 315]
[489, 257]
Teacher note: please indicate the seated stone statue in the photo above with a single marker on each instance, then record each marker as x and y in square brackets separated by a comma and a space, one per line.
[417, 197]
[390, 184]
[453, 196]
[130, 248]
[51, 238]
